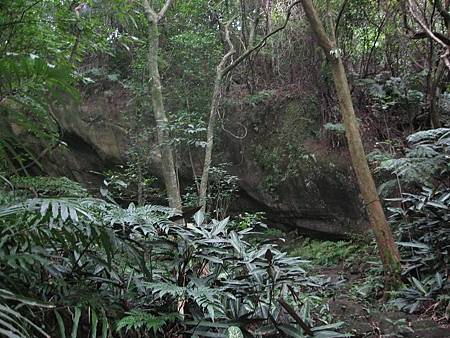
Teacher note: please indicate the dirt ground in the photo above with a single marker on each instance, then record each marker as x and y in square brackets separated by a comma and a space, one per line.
[368, 319]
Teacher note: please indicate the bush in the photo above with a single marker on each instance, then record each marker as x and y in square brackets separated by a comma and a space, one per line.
[81, 266]
[421, 218]
[423, 229]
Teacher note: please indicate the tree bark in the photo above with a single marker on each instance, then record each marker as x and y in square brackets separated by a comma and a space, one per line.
[212, 120]
[162, 122]
[433, 96]
[387, 247]
[221, 71]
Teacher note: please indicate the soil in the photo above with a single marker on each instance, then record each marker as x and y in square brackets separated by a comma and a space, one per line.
[368, 319]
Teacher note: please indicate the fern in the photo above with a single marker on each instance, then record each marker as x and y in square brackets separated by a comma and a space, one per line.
[431, 135]
[162, 289]
[49, 186]
[57, 209]
[137, 320]
[425, 160]
[148, 215]
[206, 298]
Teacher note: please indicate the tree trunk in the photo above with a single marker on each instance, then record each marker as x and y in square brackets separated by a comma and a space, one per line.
[220, 71]
[162, 122]
[383, 234]
[433, 96]
[210, 138]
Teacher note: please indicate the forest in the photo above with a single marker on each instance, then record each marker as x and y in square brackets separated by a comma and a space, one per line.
[224, 168]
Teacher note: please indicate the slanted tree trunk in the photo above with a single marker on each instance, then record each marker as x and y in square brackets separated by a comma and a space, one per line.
[383, 234]
[162, 122]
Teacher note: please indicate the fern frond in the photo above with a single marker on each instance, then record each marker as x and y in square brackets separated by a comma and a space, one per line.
[430, 135]
[161, 289]
[136, 320]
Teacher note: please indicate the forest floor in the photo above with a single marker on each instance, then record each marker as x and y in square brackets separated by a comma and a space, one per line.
[369, 317]
[357, 299]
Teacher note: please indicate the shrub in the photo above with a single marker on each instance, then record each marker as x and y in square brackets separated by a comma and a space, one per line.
[81, 266]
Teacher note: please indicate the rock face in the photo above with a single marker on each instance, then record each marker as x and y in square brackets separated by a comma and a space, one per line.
[287, 170]
[284, 167]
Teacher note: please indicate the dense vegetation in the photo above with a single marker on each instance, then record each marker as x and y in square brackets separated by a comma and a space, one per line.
[159, 245]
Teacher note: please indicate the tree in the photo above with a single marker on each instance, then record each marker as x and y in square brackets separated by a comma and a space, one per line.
[437, 32]
[388, 249]
[221, 71]
[163, 137]
[215, 100]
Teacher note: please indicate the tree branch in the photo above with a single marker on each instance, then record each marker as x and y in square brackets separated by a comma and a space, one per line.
[163, 10]
[262, 42]
[442, 11]
[151, 14]
[430, 33]
[338, 19]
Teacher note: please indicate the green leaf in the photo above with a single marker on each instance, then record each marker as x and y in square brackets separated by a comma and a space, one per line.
[414, 245]
[234, 332]
[61, 326]
[330, 334]
[94, 323]
[76, 322]
[328, 326]
[419, 286]
[199, 217]
[439, 280]
[64, 212]
[291, 331]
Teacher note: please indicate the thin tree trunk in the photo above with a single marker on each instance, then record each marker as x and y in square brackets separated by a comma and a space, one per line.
[162, 122]
[383, 234]
[433, 96]
[435, 116]
[221, 72]
[212, 120]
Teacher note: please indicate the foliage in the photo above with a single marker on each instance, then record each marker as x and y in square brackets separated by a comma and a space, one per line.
[130, 183]
[252, 220]
[260, 97]
[48, 186]
[138, 320]
[425, 162]
[132, 266]
[424, 236]
[221, 191]
[337, 128]
[421, 219]
[12, 323]
[326, 252]
[74, 265]
[29, 88]
[393, 94]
